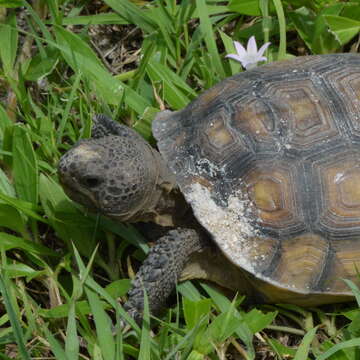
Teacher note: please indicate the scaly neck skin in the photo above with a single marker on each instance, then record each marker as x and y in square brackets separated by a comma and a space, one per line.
[165, 205]
[170, 204]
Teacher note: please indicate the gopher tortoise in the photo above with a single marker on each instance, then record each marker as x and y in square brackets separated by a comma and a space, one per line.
[269, 161]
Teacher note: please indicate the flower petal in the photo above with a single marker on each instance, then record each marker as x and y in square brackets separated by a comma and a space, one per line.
[235, 57]
[251, 46]
[239, 49]
[263, 49]
[262, 58]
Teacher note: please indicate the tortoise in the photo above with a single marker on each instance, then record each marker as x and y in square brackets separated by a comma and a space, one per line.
[269, 161]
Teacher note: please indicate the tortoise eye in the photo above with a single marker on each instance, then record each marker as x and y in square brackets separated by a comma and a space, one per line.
[91, 181]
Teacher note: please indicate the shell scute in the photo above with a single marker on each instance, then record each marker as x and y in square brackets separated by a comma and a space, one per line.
[269, 161]
[337, 180]
[272, 186]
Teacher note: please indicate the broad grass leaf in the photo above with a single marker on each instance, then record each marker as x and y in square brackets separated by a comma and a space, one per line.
[39, 22]
[341, 346]
[25, 166]
[195, 355]
[209, 38]
[194, 311]
[96, 19]
[133, 14]
[72, 345]
[351, 10]
[323, 40]
[118, 288]
[103, 325]
[220, 329]
[281, 350]
[166, 74]
[17, 270]
[347, 354]
[9, 44]
[213, 10]
[55, 345]
[62, 311]
[11, 3]
[69, 223]
[5, 122]
[145, 339]
[282, 28]
[5, 185]
[40, 67]
[304, 21]
[355, 290]
[24, 206]
[245, 7]
[220, 300]
[165, 25]
[11, 218]
[143, 125]
[92, 284]
[354, 327]
[189, 291]
[304, 348]
[351, 314]
[230, 49]
[257, 320]
[126, 231]
[68, 106]
[343, 28]
[243, 330]
[173, 85]
[8, 242]
[14, 316]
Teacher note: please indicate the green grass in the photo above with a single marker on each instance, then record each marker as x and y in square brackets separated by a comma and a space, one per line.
[62, 270]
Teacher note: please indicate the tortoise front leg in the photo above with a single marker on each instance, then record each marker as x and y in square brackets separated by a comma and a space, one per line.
[161, 270]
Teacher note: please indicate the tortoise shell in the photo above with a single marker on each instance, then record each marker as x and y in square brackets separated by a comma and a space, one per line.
[269, 161]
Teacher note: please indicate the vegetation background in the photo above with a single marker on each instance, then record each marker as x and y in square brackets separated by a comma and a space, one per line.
[62, 270]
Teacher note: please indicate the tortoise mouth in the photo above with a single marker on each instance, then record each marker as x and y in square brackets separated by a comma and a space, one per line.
[90, 201]
[79, 195]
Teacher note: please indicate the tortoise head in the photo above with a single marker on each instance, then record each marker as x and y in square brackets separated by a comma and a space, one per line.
[115, 173]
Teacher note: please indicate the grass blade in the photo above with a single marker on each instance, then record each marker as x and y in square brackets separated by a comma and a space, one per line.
[71, 341]
[96, 19]
[230, 49]
[9, 241]
[103, 326]
[25, 167]
[344, 345]
[208, 34]
[282, 27]
[68, 107]
[9, 44]
[355, 290]
[133, 14]
[56, 348]
[15, 324]
[303, 350]
[81, 57]
[145, 342]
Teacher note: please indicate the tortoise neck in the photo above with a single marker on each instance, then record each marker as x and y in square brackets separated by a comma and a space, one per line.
[164, 205]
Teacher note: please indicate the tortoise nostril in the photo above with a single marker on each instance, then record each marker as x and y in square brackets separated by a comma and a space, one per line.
[91, 181]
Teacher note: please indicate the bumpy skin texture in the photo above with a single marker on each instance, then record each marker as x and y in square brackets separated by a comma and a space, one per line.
[104, 126]
[161, 270]
[114, 172]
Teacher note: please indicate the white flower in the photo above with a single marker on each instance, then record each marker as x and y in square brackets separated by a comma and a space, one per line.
[250, 56]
